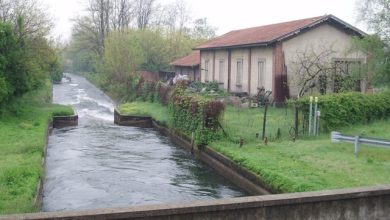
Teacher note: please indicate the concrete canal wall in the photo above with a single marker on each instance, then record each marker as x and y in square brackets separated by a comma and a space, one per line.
[357, 203]
[241, 177]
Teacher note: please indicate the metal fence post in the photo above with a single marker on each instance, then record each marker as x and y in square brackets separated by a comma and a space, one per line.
[264, 120]
[315, 115]
[356, 145]
[310, 114]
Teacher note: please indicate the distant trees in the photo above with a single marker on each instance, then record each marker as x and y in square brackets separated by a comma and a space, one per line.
[27, 57]
[376, 15]
[119, 37]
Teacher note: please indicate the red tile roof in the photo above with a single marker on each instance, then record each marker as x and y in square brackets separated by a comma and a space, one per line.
[269, 33]
[193, 59]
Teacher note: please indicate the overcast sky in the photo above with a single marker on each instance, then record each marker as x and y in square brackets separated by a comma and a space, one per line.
[228, 15]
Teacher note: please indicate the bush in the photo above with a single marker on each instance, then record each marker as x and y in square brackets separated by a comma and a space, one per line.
[344, 109]
[194, 113]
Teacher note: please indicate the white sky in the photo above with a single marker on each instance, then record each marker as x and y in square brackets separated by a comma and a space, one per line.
[227, 15]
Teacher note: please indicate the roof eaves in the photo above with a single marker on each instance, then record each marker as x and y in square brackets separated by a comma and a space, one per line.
[316, 23]
[346, 25]
[259, 44]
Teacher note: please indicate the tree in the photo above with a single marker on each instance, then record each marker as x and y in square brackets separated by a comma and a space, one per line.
[122, 14]
[312, 69]
[203, 30]
[144, 10]
[123, 56]
[35, 21]
[378, 58]
[376, 14]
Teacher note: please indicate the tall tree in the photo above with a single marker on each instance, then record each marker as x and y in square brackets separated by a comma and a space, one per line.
[376, 14]
[203, 30]
[36, 22]
[144, 10]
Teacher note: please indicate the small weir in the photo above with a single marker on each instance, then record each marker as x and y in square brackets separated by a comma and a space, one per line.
[101, 165]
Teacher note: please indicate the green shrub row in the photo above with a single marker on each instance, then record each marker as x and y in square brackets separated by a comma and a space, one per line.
[344, 109]
[195, 114]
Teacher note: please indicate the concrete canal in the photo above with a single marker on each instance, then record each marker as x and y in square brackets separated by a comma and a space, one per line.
[100, 165]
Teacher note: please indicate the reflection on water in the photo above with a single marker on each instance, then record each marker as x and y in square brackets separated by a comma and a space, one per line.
[98, 164]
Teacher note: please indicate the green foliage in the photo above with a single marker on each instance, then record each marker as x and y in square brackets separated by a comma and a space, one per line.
[196, 114]
[22, 130]
[378, 65]
[344, 109]
[25, 62]
[304, 165]
[123, 55]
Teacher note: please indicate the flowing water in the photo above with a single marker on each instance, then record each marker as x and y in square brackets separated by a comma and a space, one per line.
[99, 165]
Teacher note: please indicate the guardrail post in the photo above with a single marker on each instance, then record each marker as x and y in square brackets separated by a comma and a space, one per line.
[356, 145]
[333, 137]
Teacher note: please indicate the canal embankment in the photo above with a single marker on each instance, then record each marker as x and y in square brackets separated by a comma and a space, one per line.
[238, 175]
[98, 164]
[23, 132]
[306, 164]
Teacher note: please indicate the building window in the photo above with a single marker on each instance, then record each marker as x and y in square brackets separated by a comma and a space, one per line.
[260, 73]
[239, 72]
[206, 70]
[347, 75]
[221, 71]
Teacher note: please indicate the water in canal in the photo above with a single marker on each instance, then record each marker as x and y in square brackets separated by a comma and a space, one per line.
[98, 164]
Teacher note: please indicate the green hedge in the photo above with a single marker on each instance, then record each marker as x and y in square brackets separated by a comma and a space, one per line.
[344, 109]
[191, 112]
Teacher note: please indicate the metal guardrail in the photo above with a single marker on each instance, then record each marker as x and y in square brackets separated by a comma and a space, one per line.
[338, 137]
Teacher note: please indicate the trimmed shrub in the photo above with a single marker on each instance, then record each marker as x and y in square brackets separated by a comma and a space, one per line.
[344, 109]
[195, 113]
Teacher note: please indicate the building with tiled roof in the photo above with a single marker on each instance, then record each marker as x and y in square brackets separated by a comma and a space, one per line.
[188, 65]
[243, 61]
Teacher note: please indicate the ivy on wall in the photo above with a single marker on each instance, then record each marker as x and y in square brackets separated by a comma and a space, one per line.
[193, 113]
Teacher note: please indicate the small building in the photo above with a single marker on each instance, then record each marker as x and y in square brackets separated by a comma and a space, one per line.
[244, 61]
[149, 76]
[188, 65]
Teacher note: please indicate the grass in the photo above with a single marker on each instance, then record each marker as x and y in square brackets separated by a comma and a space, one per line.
[22, 140]
[304, 165]
[245, 123]
[155, 110]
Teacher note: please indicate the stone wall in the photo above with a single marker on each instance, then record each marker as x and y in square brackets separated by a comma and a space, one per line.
[358, 203]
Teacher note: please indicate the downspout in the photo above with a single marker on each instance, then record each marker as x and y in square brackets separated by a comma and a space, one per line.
[214, 66]
[229, 68]
[249, 71]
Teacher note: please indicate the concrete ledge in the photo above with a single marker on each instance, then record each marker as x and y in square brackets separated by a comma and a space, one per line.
[65, 121]
[356, 203]
[136, 121]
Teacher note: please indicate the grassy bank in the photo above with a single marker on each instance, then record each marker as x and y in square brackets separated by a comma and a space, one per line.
[22, 139]
[155, 110]
[305, 165]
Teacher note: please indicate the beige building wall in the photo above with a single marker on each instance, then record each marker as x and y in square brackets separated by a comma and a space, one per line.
[265, 55]
[204, 57]
[324, 37]
[236, 55]
[222, 56]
